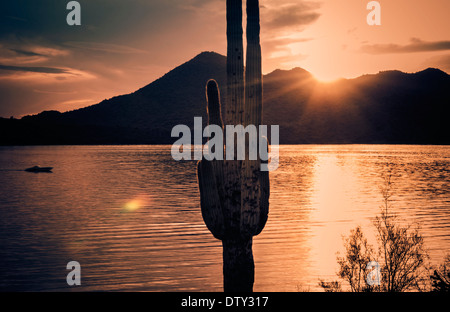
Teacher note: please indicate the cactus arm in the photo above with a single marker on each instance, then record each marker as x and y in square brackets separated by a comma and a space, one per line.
[210, 173]
[215, 118]
[213, 107]
[209, 199]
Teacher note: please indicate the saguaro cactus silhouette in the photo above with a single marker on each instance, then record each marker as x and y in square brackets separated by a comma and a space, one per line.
[234, 194]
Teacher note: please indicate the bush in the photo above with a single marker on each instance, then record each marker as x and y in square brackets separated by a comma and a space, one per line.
[400, 253]
[401, 249]
[441, 277]
[353, 265]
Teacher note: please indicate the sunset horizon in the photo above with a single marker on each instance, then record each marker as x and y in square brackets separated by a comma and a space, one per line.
[45, 64]
[325, 81]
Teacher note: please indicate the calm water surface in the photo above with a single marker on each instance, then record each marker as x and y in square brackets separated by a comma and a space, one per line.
[130, 215]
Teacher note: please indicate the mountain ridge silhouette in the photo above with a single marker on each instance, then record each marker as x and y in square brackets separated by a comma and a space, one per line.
[390, 107]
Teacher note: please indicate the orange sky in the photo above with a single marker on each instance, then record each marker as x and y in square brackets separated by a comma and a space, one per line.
[124, 45]
[341, 39]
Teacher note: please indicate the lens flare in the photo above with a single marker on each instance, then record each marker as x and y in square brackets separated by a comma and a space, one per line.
[136, 203]
[133, 205]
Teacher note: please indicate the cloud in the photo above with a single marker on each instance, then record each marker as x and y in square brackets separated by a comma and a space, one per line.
[42, 74]
[194, 5]
[47, 70]
[277, 47]
[416, 45]
[16, 18]
[53, 92]
[105, 47]
[26, 53]
[284, 41]
[290, 14]
[282, 22]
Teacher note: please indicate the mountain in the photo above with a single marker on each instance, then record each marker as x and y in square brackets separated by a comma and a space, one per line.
[388, 107]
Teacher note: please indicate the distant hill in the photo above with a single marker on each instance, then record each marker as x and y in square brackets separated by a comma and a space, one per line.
[388, 107]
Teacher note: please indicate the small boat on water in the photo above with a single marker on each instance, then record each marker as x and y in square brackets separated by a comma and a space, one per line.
[39, 169]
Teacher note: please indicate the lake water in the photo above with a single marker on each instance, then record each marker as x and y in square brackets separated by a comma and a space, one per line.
[130, 215]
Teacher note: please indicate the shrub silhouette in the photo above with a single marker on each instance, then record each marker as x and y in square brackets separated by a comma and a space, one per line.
[400, 253]
[401, 249]
[353, 265]
[441, 277]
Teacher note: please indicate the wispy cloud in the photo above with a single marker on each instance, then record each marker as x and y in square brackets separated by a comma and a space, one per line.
[290, 14]
[16, 18]
[282, 24]
[48, 70]
[53, 92]
[21, 53]
[194, 5]
[282, 51]
[42, 74]
[415, 45]
[26, 53]
[277, 43]
[104, 47]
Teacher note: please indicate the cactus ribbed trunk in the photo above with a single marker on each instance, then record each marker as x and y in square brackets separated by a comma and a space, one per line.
[250, 169]
[238, 265]
[234, 112]
[234, 194]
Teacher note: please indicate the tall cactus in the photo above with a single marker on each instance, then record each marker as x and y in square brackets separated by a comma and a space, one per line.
[234, 194]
